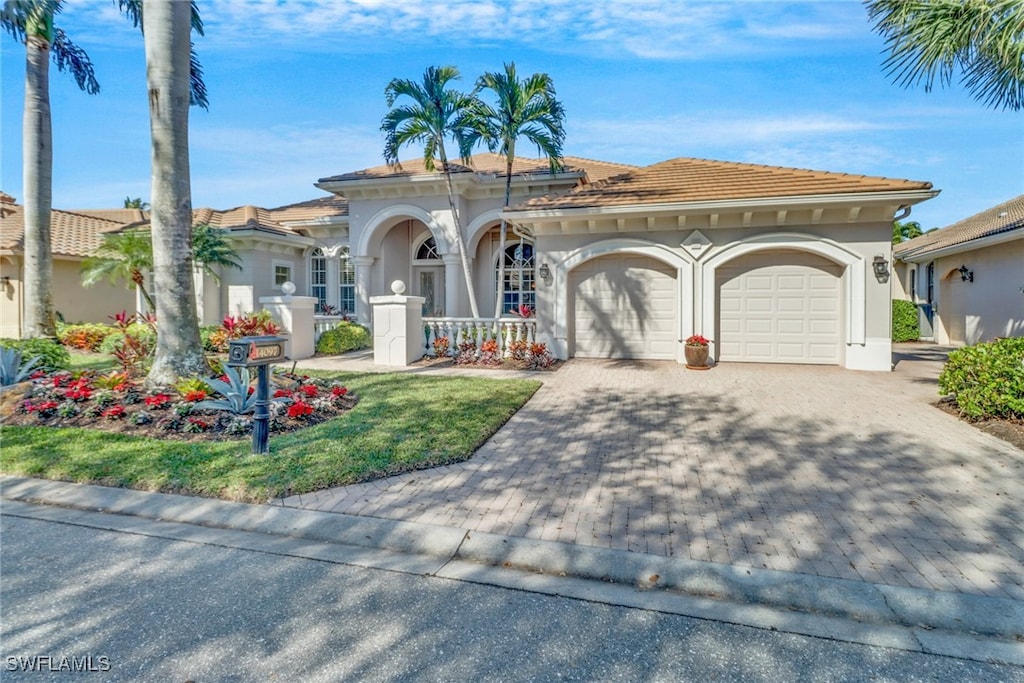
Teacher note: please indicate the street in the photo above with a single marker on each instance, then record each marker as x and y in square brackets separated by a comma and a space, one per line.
[130, 607]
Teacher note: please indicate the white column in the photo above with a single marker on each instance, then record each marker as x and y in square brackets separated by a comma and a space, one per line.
[363, 266]
[295, 314]
[397, 327]
[455, 303]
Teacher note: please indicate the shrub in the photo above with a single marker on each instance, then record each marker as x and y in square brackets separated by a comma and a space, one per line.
[440, 345]
[142, 332]
[85, 336]
[345, 336]
[904, 321]
[208, 336]
[987, 380]
[52, 356]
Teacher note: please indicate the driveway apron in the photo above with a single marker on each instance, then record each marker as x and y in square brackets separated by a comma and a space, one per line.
[808, 469]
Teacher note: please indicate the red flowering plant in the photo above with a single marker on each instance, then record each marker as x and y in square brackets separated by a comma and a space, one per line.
[114, 412]
[158, 401]
[299, 410]
[697, 340]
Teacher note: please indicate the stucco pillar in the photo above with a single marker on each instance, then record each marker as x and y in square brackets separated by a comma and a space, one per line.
[363, 266]
[454, 286]
[295, 314]
[397, 327]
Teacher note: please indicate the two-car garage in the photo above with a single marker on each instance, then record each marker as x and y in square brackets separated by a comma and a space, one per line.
[779, 306]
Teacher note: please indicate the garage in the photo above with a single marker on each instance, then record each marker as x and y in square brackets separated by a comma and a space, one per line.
[780, 307]
[625, 306]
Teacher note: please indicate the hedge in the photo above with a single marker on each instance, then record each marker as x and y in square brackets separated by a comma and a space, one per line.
[345, 336]
[905, 326]
[987, 380]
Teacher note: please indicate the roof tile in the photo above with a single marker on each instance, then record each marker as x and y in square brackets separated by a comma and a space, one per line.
[1001, 218]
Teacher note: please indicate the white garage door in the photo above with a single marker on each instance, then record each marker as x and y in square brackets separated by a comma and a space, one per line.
[625, 307]
[779, 307]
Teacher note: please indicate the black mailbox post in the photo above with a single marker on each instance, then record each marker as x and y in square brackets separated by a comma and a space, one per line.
[259, 353]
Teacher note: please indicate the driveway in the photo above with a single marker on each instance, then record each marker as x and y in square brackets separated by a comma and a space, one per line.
[807, 469]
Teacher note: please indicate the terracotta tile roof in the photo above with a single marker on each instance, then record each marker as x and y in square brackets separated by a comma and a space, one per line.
[71, 233]
[312, 209]
[694, 180]
[122, 216]
[485, 163]
[999, 219]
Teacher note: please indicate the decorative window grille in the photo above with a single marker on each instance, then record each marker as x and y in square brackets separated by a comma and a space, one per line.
[347, 283]
[519, 288]
[318, 277]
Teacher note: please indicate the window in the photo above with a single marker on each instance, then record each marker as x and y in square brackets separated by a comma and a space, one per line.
[318, 277]
[428, 251]
[347, 284]
[520, 283]
[913, 285]
[282, 274]
[930, 282]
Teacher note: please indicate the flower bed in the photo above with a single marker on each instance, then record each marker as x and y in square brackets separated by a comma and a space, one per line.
[116, 403]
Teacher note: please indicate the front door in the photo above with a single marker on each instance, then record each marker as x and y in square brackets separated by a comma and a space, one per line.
[430, 285]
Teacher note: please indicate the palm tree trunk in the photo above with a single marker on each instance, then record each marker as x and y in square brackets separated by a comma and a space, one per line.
[166, 27]
[470, 290]
[498, 305]
[37, 143]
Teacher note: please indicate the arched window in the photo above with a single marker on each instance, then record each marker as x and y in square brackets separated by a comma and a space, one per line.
[519, 288]
[428, 251]
[318, 277]
[346, 283]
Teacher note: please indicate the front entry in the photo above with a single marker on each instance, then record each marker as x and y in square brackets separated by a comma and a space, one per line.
[429, 283]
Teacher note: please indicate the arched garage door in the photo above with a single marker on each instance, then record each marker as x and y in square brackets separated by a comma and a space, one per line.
[779, 307]
[625, 306]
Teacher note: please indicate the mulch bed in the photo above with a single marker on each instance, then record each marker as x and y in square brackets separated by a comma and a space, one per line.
[1008, 430]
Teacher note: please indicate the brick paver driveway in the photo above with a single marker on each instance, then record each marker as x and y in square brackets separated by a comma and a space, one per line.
[799, 468]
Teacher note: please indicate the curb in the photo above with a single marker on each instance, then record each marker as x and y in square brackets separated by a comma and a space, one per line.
[994, 624]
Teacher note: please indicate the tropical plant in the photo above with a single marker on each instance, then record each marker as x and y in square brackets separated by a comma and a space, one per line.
[238, 397]
[987, 379]
[122, 257]
[343, 337]
[982, 39]
[210, 247]
[527, 109]
[12, 369]
[135, 203]
[437, 113]
[901, 232]
[905, 324]
[52, 355]
[166, 27]
[33, 24]
[697, 340]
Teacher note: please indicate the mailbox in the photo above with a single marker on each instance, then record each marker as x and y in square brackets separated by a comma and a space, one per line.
[250, 352]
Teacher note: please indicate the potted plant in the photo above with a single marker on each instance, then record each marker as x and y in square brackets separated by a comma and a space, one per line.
[696, 351]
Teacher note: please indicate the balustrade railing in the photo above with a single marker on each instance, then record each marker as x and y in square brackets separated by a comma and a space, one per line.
[322, 323]
[512, 335]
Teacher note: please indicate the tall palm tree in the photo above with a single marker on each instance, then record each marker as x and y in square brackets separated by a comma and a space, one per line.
[31, 21]
[525, 109]
[122, 257]
[179, 352]
[210, 247]
[136, 203]
[983, 39]
[436, 113]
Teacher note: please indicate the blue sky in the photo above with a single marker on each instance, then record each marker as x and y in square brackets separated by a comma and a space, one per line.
[297, 93]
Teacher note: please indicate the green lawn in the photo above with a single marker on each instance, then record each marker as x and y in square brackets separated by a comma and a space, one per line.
[97, 362]
[402, 422]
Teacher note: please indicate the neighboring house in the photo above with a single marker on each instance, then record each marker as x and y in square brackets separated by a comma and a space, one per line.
[774, 264]
[967, 278]
[74, 235]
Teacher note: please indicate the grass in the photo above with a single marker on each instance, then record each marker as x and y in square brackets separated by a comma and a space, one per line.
[401, 423]
[97, 362]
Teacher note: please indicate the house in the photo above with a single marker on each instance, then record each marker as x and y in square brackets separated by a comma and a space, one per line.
[617, 261]
[74, 235]
[774, 264]
[967, 279]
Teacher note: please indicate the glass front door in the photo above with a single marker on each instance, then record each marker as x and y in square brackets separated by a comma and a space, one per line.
[430, 285]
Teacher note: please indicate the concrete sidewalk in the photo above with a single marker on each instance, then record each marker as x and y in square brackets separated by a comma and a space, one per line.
[808, 469]
[956, 625]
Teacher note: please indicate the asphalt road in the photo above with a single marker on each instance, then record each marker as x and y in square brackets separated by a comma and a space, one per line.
[143, 608]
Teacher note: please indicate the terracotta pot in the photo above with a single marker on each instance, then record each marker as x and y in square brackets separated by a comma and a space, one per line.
[696, 357]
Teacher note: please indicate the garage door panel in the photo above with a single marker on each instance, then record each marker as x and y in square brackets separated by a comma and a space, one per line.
[779, 307]
[625, 306]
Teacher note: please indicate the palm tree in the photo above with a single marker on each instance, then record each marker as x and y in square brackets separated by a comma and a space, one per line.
[983, 39]
[128, 256]
[526, 108]
[122, 257]
[179, 352]
[136, 203]
[32, 23]
[436, 114]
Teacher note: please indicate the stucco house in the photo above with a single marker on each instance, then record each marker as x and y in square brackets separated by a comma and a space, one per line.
[967, 279]
[617, 261]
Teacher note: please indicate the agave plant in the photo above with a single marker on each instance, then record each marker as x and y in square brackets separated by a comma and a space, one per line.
[12, 370]
[235, 392]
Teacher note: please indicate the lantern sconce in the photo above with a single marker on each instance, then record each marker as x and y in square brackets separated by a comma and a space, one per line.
[965, 275]
[881, 268]
[545, 273]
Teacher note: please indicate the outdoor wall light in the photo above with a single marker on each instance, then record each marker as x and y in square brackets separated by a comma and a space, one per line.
[545, 273]
[5, 281]
[881, 268]
[965, 275]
